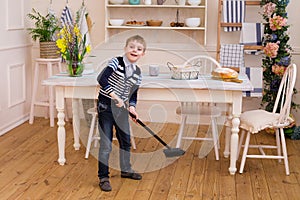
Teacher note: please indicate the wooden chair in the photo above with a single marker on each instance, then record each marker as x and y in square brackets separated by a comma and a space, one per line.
[205, 64]
[254, 121]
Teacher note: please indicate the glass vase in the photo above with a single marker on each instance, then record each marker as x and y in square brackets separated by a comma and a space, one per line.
[75, 69]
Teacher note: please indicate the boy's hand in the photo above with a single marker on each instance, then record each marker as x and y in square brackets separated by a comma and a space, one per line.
[132, 110]
[118, 101]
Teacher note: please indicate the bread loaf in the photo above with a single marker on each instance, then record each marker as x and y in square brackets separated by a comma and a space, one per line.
[224, 73]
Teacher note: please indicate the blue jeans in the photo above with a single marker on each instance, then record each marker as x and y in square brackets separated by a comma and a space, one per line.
[109, 117]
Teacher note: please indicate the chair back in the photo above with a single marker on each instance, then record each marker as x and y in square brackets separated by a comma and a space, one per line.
[285, 94]
[100, 66]
[206, 64]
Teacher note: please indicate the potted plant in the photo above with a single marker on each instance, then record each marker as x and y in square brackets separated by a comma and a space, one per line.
[46, 27]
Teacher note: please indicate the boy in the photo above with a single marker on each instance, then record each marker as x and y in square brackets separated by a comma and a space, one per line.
[119, 83]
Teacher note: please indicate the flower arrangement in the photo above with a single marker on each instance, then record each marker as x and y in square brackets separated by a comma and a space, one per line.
[73, 47]
[276, 49]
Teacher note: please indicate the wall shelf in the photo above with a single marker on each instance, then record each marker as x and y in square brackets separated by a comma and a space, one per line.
[166, 13]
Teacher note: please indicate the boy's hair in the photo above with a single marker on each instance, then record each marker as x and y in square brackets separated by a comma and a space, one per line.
[137, 38]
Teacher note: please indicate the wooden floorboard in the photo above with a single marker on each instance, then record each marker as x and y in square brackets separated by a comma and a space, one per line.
[29, 169]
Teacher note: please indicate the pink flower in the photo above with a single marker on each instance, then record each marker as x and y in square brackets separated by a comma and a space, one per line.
[278, 69]
[277, 22]
[269, 9]
[271, 49]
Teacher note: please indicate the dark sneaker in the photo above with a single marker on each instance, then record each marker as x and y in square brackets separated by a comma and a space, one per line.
[105, 184]
[132, 175]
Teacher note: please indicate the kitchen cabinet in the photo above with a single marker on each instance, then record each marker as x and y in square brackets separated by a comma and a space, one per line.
[168, 12]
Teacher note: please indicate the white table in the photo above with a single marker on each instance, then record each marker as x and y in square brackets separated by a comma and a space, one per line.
[160, 88]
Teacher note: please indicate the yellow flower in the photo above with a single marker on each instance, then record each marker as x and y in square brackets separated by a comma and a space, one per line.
[72, 44]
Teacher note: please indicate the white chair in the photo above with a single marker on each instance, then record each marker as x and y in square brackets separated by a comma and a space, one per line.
[254, 121]
[94, 132]
[205, 64]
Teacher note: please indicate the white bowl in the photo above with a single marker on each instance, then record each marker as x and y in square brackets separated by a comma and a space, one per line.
[116, 22]
[116, 1]
[193, 22]
[194, 2]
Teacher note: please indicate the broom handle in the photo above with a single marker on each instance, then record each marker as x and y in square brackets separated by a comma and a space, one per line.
[149, 130]
[145, 127]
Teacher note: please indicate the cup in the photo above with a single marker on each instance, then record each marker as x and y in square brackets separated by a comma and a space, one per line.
[147, 2]
[181, 2]
[153, 70]
[160, 2]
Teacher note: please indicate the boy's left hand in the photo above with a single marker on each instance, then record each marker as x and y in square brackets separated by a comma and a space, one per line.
[132, 110]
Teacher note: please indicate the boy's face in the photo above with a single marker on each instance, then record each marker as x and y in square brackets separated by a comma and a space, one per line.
[134, 51]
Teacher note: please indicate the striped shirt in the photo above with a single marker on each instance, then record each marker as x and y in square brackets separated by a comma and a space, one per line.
[113, 79]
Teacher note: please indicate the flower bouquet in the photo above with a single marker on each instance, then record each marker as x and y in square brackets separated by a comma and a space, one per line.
[276, 48]
[73, 47]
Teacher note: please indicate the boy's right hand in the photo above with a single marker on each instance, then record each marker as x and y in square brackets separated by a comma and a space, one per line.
[119, 102]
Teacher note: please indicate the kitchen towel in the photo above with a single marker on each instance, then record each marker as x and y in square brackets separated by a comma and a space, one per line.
[252, 34]
[66, 17]
[233, 12]
[232, 55]
[255, 75]
[83, 25]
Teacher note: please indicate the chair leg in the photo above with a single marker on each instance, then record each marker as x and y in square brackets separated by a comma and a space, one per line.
[246, 146]
[241, 142]
[132, 140]
[215, 135]
[96, 138]
[278, 144]
[90, 137]
[284, 152]
[181, 129]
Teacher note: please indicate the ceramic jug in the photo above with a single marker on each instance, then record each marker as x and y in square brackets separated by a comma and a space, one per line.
[134, 2]
[160, 2]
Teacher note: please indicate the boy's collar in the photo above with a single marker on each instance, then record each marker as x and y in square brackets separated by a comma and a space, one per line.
[127, 62]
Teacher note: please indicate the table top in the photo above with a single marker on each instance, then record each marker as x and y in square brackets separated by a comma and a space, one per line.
[160, 81]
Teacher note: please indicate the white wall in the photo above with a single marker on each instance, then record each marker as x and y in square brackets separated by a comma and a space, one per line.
[15, 54]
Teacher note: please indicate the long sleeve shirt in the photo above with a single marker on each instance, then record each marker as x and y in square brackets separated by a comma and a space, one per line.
[113, 79]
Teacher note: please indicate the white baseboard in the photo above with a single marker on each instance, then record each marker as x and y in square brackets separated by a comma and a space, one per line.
[13, 125]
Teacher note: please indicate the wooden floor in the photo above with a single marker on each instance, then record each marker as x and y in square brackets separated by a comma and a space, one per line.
[29, 170]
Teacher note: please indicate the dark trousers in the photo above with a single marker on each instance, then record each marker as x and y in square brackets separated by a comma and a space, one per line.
[112, 117]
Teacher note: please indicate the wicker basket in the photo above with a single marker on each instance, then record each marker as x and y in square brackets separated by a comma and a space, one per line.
[183, 73]
[49, 50]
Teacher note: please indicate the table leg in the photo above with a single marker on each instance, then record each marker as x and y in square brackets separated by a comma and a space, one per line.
[76, 123]
[227, 142]
[61, 131]
[234, 144]
[228, 126]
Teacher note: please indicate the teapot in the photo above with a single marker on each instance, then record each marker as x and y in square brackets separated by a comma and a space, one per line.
[160, 2]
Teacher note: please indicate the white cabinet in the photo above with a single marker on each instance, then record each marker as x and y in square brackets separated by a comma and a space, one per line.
[166, 12]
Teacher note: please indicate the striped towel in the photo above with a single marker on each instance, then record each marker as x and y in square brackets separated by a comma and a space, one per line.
[233, 12]
[66, 17]
[232, 55]
[252, 34]
[255, 75]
